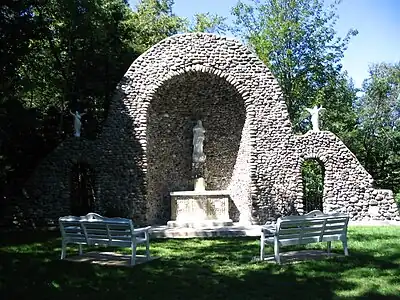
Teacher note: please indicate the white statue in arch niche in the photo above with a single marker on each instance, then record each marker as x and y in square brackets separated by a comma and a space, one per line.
[77, 122]
[314, 112]
[198, 142]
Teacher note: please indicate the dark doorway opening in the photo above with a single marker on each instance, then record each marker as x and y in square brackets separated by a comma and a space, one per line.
[313, 173]
[82, 189]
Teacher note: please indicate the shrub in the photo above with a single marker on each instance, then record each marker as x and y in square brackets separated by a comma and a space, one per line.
[397, 199]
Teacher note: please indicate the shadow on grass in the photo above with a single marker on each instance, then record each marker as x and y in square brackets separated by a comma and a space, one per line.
[15, 238]
[218, 268]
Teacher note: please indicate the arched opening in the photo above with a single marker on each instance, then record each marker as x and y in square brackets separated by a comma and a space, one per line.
[172, 114]
[82, 189]
[312, 172]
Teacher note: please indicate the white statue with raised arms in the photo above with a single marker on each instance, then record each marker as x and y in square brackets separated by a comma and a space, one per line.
[77, 122]
[314, 112]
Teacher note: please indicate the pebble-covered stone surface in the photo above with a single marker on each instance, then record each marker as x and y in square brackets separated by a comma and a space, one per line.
[144, 151]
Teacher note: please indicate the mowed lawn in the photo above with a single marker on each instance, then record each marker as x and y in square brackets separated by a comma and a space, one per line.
[220, 268]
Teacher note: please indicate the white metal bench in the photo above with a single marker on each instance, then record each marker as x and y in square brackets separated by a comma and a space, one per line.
[310, 228]
[94, 229]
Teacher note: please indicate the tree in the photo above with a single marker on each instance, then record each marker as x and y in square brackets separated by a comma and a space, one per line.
[313, 183]
[379, 124]
[87, 45]
[296, 39]
[206, 22]
[153, 21]
[17, 28]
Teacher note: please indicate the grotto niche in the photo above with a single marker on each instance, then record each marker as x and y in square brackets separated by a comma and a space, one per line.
[172, 114]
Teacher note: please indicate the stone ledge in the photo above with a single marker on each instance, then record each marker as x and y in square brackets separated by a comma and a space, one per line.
[235, 230]
[200, 193]
[221, 231]
[199, 224]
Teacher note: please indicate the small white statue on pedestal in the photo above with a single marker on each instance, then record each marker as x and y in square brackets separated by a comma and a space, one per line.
[198, 156]
[198, 139]
[77, 122]
[314, 112]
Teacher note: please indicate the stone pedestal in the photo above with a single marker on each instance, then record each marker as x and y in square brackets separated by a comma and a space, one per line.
[199, 209]
[199, 185]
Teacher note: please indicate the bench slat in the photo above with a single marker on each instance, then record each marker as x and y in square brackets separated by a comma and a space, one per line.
[309, 234]
[105, 236]
[93, 225]
[98, 231]
[333, 232]
[119, 226]
[117, 243]
[300, 235]
[75, 237]
[74, 231]
[91, 231]
[299, 229]
[336, 223]
[71, 224]
[304, 240]
[299, 221]
[318, 229]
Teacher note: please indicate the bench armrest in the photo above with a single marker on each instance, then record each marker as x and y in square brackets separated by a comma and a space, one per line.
[268, 229]
[141, 230]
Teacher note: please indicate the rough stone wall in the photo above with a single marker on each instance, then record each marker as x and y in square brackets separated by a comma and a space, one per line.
[49, 188]
[348, 187]
[144, 151]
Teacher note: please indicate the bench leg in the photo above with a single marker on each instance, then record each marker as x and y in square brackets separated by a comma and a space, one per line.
[276, 251]
[80, 249]
[63, 250]
[328, 250]
[133, 255]
[346, 251]
[262, 247]
[147, 248]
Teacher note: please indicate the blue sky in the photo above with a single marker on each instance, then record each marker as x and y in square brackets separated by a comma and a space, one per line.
[377, 21]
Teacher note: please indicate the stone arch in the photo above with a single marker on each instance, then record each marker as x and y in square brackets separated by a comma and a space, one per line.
[224, 58]
[346, 184]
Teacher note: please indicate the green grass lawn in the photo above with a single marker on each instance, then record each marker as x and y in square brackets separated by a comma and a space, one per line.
[204, 269]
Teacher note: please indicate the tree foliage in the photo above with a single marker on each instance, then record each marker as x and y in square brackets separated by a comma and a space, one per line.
[153, 21]
[312, 172]
[297, 41]
[378, 125]
[206, 22]
[16, 24]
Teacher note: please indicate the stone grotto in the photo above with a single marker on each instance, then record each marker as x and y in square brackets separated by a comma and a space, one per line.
[144, 153]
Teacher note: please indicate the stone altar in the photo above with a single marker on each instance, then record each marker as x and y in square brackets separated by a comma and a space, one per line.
[199, 209]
